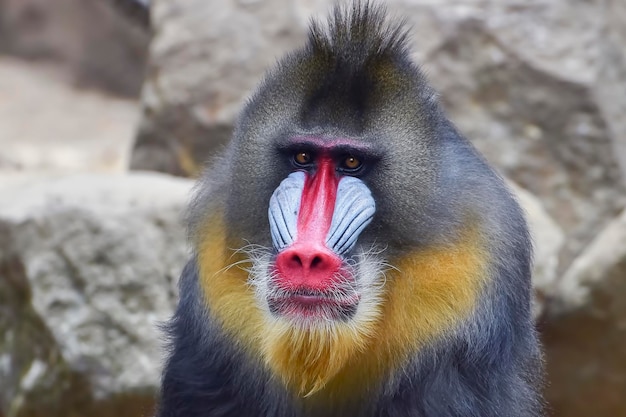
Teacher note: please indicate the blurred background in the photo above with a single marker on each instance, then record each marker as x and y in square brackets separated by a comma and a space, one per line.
[108, 110]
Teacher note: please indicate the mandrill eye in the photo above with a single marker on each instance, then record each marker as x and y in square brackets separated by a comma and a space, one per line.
[351, 163]
[302, 158]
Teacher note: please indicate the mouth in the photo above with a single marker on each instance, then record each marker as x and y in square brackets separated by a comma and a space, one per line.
[314, 305]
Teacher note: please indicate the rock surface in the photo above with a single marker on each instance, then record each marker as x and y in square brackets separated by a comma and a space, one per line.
[46, 125]
[88, 267]
[205, 58]
[586, 336]
[92, 40]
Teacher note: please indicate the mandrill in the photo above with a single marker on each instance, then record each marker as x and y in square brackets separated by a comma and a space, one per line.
[353, 254]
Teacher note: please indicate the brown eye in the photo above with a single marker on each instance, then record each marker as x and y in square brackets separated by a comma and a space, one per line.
[352, 163]
[302, 158]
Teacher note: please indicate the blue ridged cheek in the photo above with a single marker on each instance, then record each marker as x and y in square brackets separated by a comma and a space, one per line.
[283, 210]
[354, 210]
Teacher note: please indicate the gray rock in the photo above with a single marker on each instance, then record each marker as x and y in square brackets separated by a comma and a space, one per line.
[88, 267]
[48, 125]
[585, 334]
[205, 58]
[603, 259]
[91, 39]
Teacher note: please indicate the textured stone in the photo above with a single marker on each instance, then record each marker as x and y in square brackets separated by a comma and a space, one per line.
[205, 58]
[88, 266]
[50, 126]
[585, 334]
[95, 43]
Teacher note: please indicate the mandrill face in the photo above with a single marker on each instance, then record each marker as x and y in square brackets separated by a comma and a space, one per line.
[315, 276]
[318, 288]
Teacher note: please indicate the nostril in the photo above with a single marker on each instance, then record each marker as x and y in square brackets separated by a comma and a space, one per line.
[295, 259]
[316, 261]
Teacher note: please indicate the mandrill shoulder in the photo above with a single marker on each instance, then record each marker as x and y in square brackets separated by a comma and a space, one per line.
[472, 189]
[475, 191]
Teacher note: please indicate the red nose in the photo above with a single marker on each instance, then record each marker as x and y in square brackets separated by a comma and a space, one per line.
[307, 265]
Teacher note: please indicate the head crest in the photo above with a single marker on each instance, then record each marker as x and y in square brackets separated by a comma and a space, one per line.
[351, 62]
[359, 33]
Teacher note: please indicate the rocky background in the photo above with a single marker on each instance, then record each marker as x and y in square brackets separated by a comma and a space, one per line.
[93, 102]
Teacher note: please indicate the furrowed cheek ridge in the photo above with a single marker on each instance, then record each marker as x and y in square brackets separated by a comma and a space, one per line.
[283, 210]
[354, 210]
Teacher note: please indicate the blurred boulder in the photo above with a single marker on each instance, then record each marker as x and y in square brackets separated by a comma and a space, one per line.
[206, 56]
[88, 268]
[585, 334]
[47, 125]
[548, 240]
[97, 43]
[540, 88]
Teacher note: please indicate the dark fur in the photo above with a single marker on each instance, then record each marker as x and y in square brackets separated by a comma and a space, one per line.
[355, 79]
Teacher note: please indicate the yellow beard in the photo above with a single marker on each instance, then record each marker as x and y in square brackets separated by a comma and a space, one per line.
[308, 358]
[431, 291]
